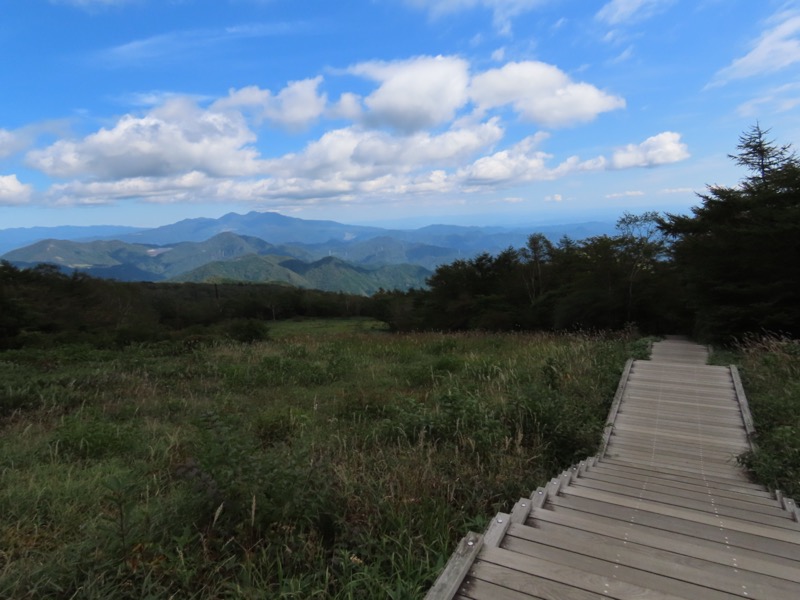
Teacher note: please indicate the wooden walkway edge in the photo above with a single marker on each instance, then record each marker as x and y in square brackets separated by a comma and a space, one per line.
[662, 512]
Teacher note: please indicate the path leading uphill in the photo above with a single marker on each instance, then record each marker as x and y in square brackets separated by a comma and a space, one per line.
[662, 512]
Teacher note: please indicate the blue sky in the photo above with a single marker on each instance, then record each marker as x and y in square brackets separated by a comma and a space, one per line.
[144, 112]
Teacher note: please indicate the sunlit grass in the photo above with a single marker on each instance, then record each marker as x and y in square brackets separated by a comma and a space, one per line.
[331, 460]
[770, 368]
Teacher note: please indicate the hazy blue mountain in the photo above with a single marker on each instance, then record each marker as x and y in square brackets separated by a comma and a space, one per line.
[272, 227]
[329, 274]
[19, 237]
[386, 250]
[252, 268]
[437, 244]
[256, 247]
[138, 261]
[225, 257]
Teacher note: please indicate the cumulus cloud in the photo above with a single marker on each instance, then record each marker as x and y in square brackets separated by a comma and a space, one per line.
[776, 49]
[618, 12]
[628, 194]
[9, 143]
[414, 94]
[296, 106]
[177, 137]
[541, 93]
[356, 154]
[13, 191]
[523, 162]
[503, 11]
[186, 187]
[661, 149]
[347, 107]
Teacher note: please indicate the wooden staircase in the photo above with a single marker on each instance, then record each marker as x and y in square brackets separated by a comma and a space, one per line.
[662, 512]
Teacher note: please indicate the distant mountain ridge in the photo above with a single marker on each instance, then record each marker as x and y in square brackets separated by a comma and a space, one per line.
[265, 246]
[223, 258]
[19, 237]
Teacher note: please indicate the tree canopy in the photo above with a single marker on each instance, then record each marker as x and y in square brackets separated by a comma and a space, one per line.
[739, 254]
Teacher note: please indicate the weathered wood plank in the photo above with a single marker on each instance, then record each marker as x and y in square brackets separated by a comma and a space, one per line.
[657, 561]
[690, 467]
[488, 581]
[449, 581]
[496, 530]
[506, 563]
[697, 547]
[773, 532]
[758, 496]
[657, 521]
[732, 499]
[738, 483]
[612, 415]
[696, 502]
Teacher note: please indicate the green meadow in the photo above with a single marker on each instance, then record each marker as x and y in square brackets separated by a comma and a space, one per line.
[332, 459]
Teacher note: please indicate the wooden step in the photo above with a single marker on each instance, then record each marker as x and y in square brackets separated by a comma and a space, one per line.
[735, 499]
[757, 538]
[695, 502]
[686, 545]
[648, 559]
[739, 483]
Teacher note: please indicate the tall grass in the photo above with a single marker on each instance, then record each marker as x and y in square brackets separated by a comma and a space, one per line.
[770, 367]
[327, 462]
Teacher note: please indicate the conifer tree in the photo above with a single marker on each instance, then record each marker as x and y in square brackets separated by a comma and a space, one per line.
[739, 254]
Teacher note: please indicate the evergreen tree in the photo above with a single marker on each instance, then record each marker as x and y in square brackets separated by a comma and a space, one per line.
[739, 254]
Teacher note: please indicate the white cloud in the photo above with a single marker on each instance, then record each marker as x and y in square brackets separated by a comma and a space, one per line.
[628, 194]
[296, 106]
[186, 187]
[554, 198]
[499, 54]
[417, 93]
[348, 107]
[618, 12]
[503, 11]
[623, 56]
[522, 163]
[360, 155]
[776, 49]
[13, 191]
[9, 143]
[776, 100]
[661, 149]
[541, 93]
[18, 140]
[188, 44]
[177, 137]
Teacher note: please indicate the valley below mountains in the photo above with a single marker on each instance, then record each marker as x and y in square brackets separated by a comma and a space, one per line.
[268, 247]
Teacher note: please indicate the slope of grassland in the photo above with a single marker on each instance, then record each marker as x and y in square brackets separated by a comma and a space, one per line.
[333, 460]
[770, 368]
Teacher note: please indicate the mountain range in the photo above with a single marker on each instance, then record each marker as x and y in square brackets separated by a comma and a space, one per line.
[265, 246]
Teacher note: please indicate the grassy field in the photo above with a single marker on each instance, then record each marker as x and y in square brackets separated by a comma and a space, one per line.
[333, 460]
[770, 368]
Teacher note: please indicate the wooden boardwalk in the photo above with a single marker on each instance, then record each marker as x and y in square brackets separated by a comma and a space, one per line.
[662, 512]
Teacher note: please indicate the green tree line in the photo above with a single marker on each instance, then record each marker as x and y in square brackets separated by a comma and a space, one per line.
[41, 306]
[730, 268]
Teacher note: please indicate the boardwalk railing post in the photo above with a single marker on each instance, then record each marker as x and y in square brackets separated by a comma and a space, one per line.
[450, 580]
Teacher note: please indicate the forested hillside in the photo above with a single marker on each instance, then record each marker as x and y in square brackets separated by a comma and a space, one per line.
[730, 268]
